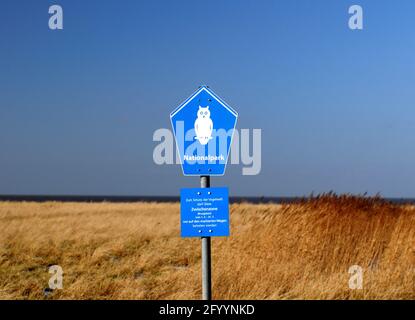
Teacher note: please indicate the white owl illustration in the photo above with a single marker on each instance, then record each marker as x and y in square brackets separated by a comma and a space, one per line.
[203, 125]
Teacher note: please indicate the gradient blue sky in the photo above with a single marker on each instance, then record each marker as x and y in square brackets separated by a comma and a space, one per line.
[78, 107]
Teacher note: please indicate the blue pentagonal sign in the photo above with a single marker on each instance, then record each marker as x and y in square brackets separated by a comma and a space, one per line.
[203, 126]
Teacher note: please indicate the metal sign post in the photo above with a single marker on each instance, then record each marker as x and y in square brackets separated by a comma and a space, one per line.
[206, 255]
[203, 126]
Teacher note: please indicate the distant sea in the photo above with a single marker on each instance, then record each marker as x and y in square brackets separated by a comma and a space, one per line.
[83, 198]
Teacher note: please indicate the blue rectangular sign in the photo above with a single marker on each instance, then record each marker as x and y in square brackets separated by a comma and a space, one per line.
[204, 212]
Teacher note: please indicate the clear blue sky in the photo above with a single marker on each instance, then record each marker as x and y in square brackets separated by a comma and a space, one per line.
[78, 107]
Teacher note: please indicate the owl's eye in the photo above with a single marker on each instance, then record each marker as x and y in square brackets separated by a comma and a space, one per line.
[206, 112]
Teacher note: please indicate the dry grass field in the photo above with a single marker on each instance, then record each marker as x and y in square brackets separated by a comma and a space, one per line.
[134, 251]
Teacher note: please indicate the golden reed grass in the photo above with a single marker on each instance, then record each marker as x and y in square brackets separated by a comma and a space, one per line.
[134, 251]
